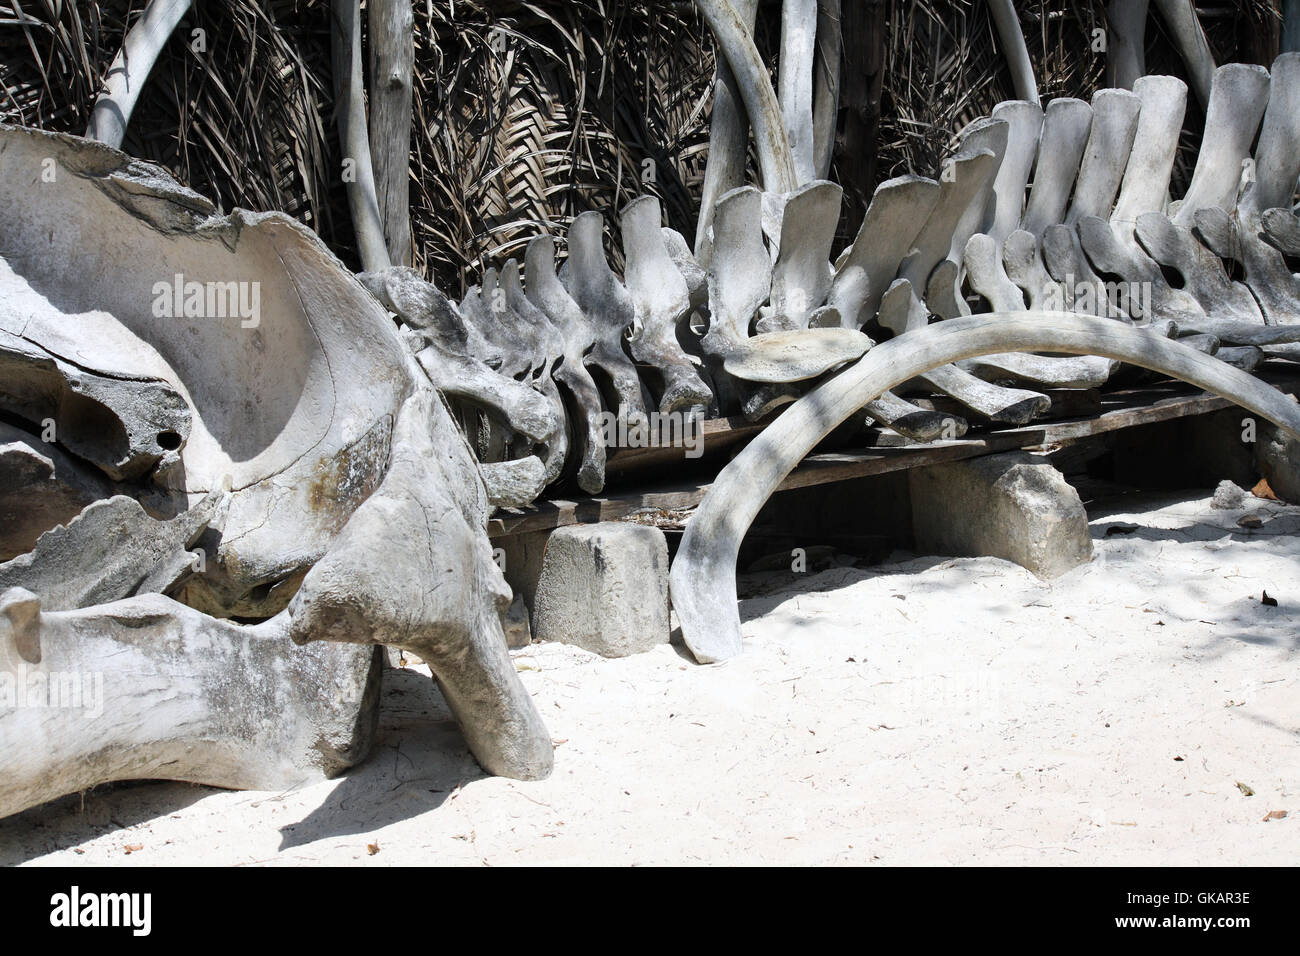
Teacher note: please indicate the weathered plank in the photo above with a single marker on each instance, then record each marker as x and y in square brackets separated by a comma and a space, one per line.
[1123, 409]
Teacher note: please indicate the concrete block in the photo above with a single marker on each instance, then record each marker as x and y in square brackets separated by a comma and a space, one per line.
[1011, 506]
[604, 587]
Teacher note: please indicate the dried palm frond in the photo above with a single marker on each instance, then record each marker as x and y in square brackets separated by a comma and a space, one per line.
[530, 113]
[944, 67]
[233, 106]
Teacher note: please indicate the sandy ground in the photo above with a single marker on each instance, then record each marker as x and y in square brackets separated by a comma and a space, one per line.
[924, 711]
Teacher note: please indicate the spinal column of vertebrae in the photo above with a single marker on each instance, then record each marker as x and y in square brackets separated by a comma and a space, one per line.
[191, 487]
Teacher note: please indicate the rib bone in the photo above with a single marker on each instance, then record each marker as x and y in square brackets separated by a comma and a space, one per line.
[703, 576]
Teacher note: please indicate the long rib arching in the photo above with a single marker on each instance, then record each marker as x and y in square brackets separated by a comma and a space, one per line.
[795, 81]
[728, 142]
[703, 577]
[774, 157]
[350, 101]
[1014, 49]
[130, 69]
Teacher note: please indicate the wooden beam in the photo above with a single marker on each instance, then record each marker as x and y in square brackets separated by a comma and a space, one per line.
[1120, 410]
[392, 57]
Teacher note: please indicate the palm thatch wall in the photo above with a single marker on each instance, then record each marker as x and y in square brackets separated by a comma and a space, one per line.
[528, 112]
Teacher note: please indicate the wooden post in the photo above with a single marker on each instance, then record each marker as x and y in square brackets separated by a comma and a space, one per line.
[392, 56]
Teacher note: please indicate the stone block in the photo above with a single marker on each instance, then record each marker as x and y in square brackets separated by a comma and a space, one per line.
[604, 587]
[1011, 506]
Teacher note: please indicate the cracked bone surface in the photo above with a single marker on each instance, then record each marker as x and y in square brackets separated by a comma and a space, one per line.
[703, 575]
[290, 406]
[376, 587]
[148, 689]
[292, 379]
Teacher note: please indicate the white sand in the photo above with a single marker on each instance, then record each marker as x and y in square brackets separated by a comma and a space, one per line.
[927, 711]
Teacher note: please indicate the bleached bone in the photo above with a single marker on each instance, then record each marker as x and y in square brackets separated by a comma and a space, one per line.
[111, 550]
[1111, 245]
[1237, 103]
[570, 369]
[900, 308]
[739, 283]
[801, 275]
[898, 210]
[440, 338]
[912, 421]
[446, 345]
[1205, 278]
[130, 70]
[1105, 155]
[293, 413]
[507, 456]
[374, 587]
[795, 82]
[148, 689]
[354, 137]
[596, 346]
[592, 286]
[703, 575]
[1126, 43]
[661, 301]
[1014, 49]
[1024, 129]
[41, 486]
[904, 226]
[732, 33]
[485, 309]
[1189, 37]
[266, 405]
[1236, 229]
[121, 419]
[826, 85]
[967, 203]
[532, 325]
[728, 141]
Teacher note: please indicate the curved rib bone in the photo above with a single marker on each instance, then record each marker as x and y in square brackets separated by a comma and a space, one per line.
[728, 141]
[826, 90]
[1014, 49]
[130, 70]
[774, 157]
[1126, 39]
[703, 576]
[1180, 18]
[795, 82]
[350, 103]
